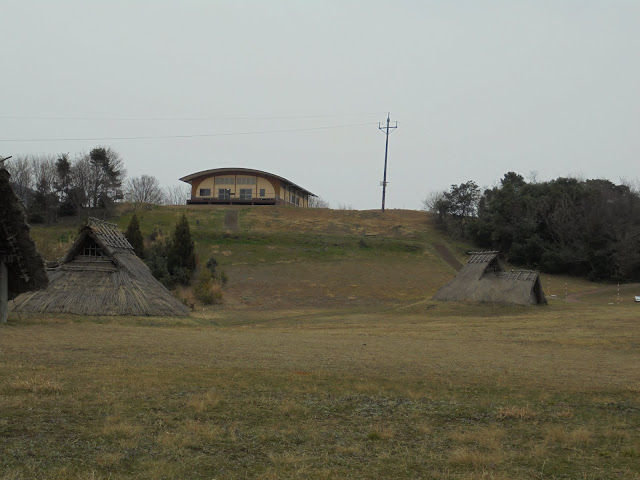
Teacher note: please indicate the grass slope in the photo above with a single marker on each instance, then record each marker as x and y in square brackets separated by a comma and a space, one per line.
[327, 360]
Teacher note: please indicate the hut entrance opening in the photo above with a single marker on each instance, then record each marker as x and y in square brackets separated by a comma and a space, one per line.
[538, 293]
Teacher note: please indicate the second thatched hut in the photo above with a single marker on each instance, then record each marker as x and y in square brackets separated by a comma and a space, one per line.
[483, 279]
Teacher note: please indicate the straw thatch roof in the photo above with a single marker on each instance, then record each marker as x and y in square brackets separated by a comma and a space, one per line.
[25, 266]
[101, 275]
[483, 279]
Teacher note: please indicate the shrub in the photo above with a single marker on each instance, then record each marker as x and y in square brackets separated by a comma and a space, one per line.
[156, 260]
[181, 276]
[67, 209]
[220, 277]
[35, 215]
[181, 256]
[212, 263]
[134, 236]
[207, 289]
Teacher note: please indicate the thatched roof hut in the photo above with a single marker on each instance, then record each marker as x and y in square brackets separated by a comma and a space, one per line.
[21, 266]
[101, 275]
[483, 279]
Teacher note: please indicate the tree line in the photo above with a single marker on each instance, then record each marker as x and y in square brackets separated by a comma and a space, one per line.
[58, 185]
[588, 228]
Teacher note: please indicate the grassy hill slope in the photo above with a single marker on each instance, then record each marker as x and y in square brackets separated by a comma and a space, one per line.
[282, 257]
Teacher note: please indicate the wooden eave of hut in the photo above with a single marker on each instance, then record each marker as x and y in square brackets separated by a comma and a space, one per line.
[101, 275]
[483, 279]
[22, 268]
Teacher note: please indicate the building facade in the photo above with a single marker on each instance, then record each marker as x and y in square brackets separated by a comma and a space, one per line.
[244, 186]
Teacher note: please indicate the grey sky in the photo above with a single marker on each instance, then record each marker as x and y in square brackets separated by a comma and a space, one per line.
[479, 88]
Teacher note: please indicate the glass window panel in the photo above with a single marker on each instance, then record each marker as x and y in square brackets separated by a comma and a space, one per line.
[246, 181]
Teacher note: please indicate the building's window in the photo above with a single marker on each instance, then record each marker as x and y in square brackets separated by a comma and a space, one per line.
[224, 193]
[91, 249]
[262, 192]
[224, 181]
[298, 201]
[205, 192]
[292, 199]
[246, 194]
[246, 180]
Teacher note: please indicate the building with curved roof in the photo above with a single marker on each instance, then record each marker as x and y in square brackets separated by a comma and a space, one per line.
[244, 186]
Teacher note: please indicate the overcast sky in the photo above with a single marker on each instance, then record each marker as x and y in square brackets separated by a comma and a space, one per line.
[479, 88]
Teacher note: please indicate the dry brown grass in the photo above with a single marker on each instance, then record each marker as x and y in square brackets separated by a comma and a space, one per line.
[324, 365]
[322, 394]
[577, 436]
[37, 384]
[483, 437]
[474, 458]
[515, 413]
[208, 401]
[618, 435]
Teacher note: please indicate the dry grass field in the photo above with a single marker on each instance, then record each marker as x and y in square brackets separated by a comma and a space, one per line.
[327, 360]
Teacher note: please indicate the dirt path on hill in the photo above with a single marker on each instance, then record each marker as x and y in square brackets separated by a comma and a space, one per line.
[231, 220]
[447, 256]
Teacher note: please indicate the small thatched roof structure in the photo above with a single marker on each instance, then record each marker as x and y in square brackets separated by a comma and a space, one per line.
[101, 275]
[24, 265]
[483, 279]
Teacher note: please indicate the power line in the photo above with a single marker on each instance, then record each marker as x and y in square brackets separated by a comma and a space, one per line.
[167, 118]
[203, 135]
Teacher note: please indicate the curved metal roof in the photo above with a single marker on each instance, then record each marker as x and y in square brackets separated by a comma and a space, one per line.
[215, 171]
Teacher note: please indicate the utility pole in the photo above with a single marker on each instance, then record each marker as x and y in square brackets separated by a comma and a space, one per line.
[386, 131]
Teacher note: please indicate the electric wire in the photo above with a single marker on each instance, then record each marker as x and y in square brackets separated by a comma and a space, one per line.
[167, 118]
[202, 135]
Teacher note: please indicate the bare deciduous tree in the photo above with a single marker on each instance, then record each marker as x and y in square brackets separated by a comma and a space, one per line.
[318, 202]
[44, 173]
[21, 176]
[81, 181]
[44, 206]
[144, 189]
[431, 202]
[177, 194]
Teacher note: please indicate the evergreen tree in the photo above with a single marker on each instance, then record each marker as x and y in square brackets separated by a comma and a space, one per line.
[181, 258]
[134, 236]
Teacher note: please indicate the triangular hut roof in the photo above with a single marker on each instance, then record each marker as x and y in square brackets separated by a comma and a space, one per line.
[25, 266]
[101, 275]
[483, 279]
